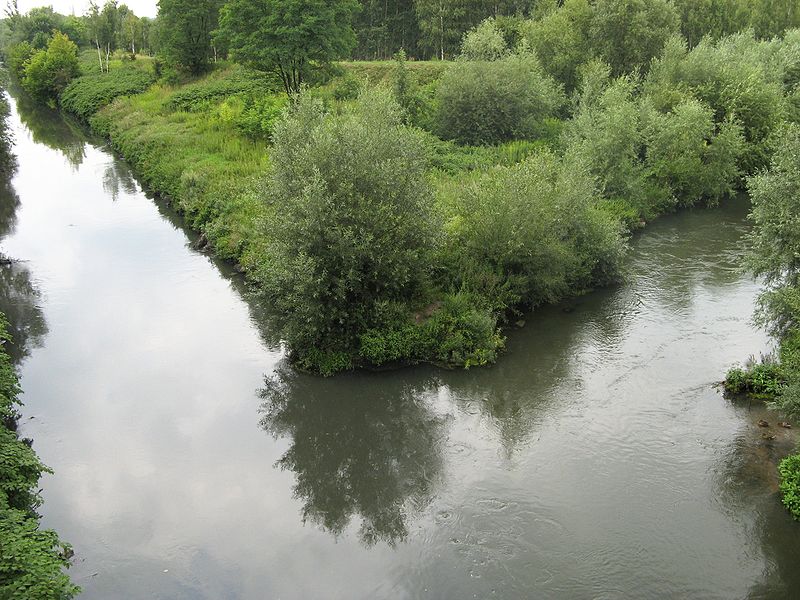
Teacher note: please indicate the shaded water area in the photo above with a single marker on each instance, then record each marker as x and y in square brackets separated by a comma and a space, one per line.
[597, 459]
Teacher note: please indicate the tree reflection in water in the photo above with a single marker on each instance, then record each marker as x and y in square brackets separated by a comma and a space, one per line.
[19, 298]
[360, 448]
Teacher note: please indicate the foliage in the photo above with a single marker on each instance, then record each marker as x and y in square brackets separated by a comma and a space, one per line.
[655, 161]
[735, 77]
[530, 233]
[561, 40]
[629, 33]
[458, 332]
[288, 37]
[198, 96]
[484, 42]
[764, 379]
[775, 240]
[18, 57]
[186, 28]
[789, 469]
[31, 560]
[688, 155]
[490, 102]
[49, 71]
[352, 222]
[85, 95]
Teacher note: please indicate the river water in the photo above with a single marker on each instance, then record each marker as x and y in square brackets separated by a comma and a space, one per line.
[597, 459]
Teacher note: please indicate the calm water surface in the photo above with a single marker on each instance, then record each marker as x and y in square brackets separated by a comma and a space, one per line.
[596, 460]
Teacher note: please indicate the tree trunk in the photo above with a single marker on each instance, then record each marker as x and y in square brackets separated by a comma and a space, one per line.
[99, 56]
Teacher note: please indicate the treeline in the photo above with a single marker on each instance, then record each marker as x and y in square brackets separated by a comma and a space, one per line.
[434, 28]
[106, 28]
[624, 33]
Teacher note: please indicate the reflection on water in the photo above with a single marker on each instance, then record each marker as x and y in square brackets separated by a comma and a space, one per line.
[20, 302]
[596, 459]
[374, 455]
[118, 179]
[48, 127]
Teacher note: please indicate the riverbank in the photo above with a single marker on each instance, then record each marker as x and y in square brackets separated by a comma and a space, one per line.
[33, 560]
[773, 254]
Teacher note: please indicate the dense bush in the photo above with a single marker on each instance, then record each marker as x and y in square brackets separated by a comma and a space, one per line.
[764, 379]
[47, 72]
[690, 156]
[352, 224]
[530, 233]
[253, 115]
[561, 40]
[481, 102]
[653, 160]
[629, 33]
[484, 42]
[32, 560]
[231, 82]
[86, 95]
[17, 57]
[775, 240]
[735, 77]
[459, 331]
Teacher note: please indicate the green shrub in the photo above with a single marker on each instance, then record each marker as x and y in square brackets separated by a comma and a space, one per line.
[765, 379]
[86, 95]
[18, 57]
[529, 233]
[230, 82]
[734, 77]
[690, 156]
[484, 42]
[253, 115]
[461, 333]
[655, 161]
[480, 102]
[789, 469]
[353, 225]
[48, 72]
[561, 40]
[347, 88]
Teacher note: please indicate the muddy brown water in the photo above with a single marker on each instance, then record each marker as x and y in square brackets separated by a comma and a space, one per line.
[597, 459]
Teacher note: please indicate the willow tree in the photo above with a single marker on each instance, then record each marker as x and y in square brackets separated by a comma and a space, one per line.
[288, 37]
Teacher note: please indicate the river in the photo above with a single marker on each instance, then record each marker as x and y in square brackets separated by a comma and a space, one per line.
[597, 459]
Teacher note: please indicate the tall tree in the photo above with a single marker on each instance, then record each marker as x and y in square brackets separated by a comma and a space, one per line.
[185, 31]
[440, 22]
[288, 37]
